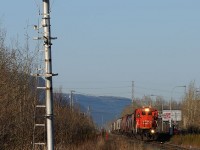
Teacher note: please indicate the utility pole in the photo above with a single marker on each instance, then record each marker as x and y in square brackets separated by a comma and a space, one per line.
[88, 111]
[162, 116]
[48, 74]
[72, 99]
[132, 91]
[170, 107]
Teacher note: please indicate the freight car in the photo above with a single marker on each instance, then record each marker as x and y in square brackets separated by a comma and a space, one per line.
[142, 122]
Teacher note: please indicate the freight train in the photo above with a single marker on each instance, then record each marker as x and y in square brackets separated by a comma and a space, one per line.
[142, 122]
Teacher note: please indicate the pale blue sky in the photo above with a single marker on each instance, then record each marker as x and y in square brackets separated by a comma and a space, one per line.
[103, 45]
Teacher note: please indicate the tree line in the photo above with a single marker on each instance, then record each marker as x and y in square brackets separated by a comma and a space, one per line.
[19, 96]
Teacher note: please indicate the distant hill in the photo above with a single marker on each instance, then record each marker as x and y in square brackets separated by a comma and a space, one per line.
[102, 108]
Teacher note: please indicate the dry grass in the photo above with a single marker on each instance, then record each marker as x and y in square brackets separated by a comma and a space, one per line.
[113, 143]
[190, 140]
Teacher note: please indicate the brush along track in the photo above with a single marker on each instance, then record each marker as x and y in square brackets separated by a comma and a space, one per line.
[167, 146]
[160, 145]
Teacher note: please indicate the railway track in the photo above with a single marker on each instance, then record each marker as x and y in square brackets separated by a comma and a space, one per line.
[167, 146]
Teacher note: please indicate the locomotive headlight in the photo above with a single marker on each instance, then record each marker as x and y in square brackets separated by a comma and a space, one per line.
[146, 109]
[152, 131]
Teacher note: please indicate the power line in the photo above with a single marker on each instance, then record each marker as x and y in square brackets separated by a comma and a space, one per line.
[105, 87]
[52, 3]
[38, 6]
[137, 90]
[96, 95]
[96, 88]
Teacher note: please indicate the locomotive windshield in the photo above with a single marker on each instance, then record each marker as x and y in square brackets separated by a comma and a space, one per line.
[146, 113]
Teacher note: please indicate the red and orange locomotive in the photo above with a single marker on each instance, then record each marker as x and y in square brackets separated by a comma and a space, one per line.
[146, 121]
[143, 122]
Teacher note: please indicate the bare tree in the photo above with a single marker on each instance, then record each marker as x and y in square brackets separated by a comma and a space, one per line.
[190, 107]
